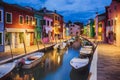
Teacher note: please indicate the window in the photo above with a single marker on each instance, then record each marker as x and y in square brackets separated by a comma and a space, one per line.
[100, 25]
[43, 22]
[115, 8]
[0, 15]
[8, 18]
[47, 23]
[111, 23]
[114, 22]
[21, 19]
[36, 21]
[76, 33]
[31, 20]
[27, 19]
[1, 37]
[51, 23]
[108, 23]
[55, 17]
[109, 10]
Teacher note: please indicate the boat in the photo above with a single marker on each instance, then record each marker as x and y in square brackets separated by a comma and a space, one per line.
[5, 70]
[56, 46]
[84, 49]
[88, 47]
[31, 60]
[60, 46]
[79, 63]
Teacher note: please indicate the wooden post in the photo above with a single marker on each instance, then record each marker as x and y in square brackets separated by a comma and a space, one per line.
[11, 51]
[24, 46]
[37, 43]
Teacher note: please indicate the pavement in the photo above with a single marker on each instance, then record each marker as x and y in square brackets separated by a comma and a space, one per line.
[19, 52]
[108, 65]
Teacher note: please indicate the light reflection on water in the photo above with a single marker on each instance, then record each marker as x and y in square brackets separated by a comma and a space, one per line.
[54, 66]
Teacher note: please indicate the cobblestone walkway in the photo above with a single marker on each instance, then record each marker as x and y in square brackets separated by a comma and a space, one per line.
[108, 62]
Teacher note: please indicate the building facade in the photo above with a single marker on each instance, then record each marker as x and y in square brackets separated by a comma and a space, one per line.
[18, 26]
[47, 29]
[113, 22]
[74, 30]
[101, 27]
[1, 28]
[57, 23]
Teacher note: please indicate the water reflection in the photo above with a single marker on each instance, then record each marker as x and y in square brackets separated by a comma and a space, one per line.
[53, 66]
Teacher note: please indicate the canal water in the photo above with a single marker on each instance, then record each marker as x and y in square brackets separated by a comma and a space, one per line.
[55, 65]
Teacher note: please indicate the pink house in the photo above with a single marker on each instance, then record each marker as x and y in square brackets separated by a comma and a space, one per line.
[113, 23]
[74, 30]
[47, 29]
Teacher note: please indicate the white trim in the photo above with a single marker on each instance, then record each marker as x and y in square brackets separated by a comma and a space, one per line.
[15, 30]
[2, 37]
[6, 17]
[22, 20]
[1, 15]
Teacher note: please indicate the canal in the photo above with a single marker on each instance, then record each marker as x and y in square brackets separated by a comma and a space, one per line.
[55, 65]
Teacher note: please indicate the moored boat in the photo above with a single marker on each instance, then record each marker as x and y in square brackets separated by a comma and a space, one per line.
[5, 69]
[79, 63]
[31, 60]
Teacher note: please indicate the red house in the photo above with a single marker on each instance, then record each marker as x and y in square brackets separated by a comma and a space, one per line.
[113, 22]
[18, 25]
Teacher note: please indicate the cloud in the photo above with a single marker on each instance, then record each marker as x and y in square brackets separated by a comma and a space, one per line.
[76, 5]
[70, 9]
[32, 3]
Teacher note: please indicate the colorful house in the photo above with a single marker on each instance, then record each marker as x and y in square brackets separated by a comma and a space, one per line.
[74, 30]
[38, 25]
[18, 26]
[91, 24]
[101, 27]
[57, 23]
[1, 28]
[113, 22]
[47, 29]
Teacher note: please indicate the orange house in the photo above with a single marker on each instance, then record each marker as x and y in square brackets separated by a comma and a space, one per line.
[18, 26]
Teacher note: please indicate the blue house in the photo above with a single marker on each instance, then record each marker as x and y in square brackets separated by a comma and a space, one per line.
[1, 28]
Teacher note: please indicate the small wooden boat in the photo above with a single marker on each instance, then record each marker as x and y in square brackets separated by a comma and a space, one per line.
[79, 63]
[60, 46]
[5, 69]
[31, 60]
[84, 49]
[56, 46]
[88, 47]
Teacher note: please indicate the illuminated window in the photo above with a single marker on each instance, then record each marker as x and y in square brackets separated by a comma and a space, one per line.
[8, 18]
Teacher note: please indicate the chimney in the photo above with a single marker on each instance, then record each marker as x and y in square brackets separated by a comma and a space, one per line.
[44, 9]
[55, 11]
